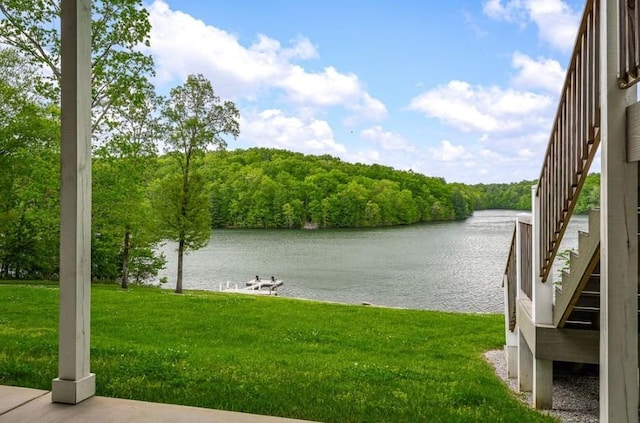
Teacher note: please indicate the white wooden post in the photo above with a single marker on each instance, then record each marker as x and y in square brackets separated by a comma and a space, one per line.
[511, 338]
[542, 312]
[525, 356]
[618, 237]
[525, 365]
[74, 383]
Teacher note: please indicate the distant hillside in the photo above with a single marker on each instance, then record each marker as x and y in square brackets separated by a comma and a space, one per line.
[269, 188]
[517, 195]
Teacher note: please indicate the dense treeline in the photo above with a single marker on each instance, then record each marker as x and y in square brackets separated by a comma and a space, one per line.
[517, 195]
[512, 196]
[267, 188]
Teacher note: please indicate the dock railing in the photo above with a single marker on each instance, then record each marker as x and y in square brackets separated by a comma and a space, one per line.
[574, 139]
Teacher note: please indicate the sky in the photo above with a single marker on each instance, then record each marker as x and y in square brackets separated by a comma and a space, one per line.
[463, 90]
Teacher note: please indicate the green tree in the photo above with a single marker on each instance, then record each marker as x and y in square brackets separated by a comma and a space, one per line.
[119, 27]
[123, 220]
[590, 195]
[195, 119]
[29, 169]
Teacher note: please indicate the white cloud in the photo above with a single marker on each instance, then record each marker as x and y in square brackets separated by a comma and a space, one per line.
[509, 11]
[302, 49]
[546, 74]
[386, 139]
[526, 153]
[327, 88]
[448, 152]
[482, 109]
[368, 157]
[557, 22]
[182, 45]
[368, 108]
[494, 157]
[272, 128]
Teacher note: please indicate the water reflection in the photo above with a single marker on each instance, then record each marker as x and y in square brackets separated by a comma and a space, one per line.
[454, 266]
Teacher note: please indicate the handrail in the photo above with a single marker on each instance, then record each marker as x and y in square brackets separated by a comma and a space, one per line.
[629, 65]
[574, 139]
[510, 275]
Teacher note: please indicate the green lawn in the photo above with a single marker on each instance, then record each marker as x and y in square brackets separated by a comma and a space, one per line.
[274, 356]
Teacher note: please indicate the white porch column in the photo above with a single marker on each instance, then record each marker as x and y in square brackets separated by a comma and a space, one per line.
[542, 312]
[618, 238]
[74, 383]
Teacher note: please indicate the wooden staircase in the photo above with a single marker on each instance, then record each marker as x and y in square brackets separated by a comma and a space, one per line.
[572, 308]
[577, 298]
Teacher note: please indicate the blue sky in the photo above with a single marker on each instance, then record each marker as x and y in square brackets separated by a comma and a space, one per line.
[465, 90]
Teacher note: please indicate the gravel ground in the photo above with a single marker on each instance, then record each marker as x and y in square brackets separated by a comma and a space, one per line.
[575, 398]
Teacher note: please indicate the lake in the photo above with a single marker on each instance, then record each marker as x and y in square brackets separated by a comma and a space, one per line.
[451, 266]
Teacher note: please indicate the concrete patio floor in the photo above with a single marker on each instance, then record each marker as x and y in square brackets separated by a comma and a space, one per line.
[19, 405]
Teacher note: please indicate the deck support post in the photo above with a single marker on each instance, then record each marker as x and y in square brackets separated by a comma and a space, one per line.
[512, 339]
[511, 345]
[542, 312]
[618, 237]
[525, 365]
[74, 383]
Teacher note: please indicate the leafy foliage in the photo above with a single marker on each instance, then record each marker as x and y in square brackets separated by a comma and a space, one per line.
[517, 195]
[124, 224]
[590, 195]
[29, 164]
[119, 27]
[512, 196]
[269, 188]
[194, 119]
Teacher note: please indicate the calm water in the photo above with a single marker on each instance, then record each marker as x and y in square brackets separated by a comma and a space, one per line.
[455, 266]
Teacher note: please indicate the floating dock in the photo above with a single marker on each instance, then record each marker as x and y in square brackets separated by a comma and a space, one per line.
[256, 287]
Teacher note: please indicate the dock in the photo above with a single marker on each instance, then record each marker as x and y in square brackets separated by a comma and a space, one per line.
[256, 287]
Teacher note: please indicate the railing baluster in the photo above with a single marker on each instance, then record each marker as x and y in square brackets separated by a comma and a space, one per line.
[636, 36]
[623, 60]
[577, 137]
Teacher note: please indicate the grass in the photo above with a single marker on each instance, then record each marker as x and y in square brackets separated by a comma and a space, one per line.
[273, 356]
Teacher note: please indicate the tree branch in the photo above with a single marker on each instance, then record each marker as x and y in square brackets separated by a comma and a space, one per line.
[32, 46]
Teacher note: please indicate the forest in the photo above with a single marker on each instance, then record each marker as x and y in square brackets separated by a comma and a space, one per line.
[517, 195]
[267, 188]
[161, 169]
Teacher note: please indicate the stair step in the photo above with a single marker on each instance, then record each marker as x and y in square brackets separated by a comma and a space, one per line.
[587, 309]
[588, 316]
[579, 325]
[593, 284]
[589, 299]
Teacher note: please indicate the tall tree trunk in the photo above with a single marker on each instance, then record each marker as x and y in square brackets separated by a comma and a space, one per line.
[185, 202]
[125, 259]
[180, 255]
